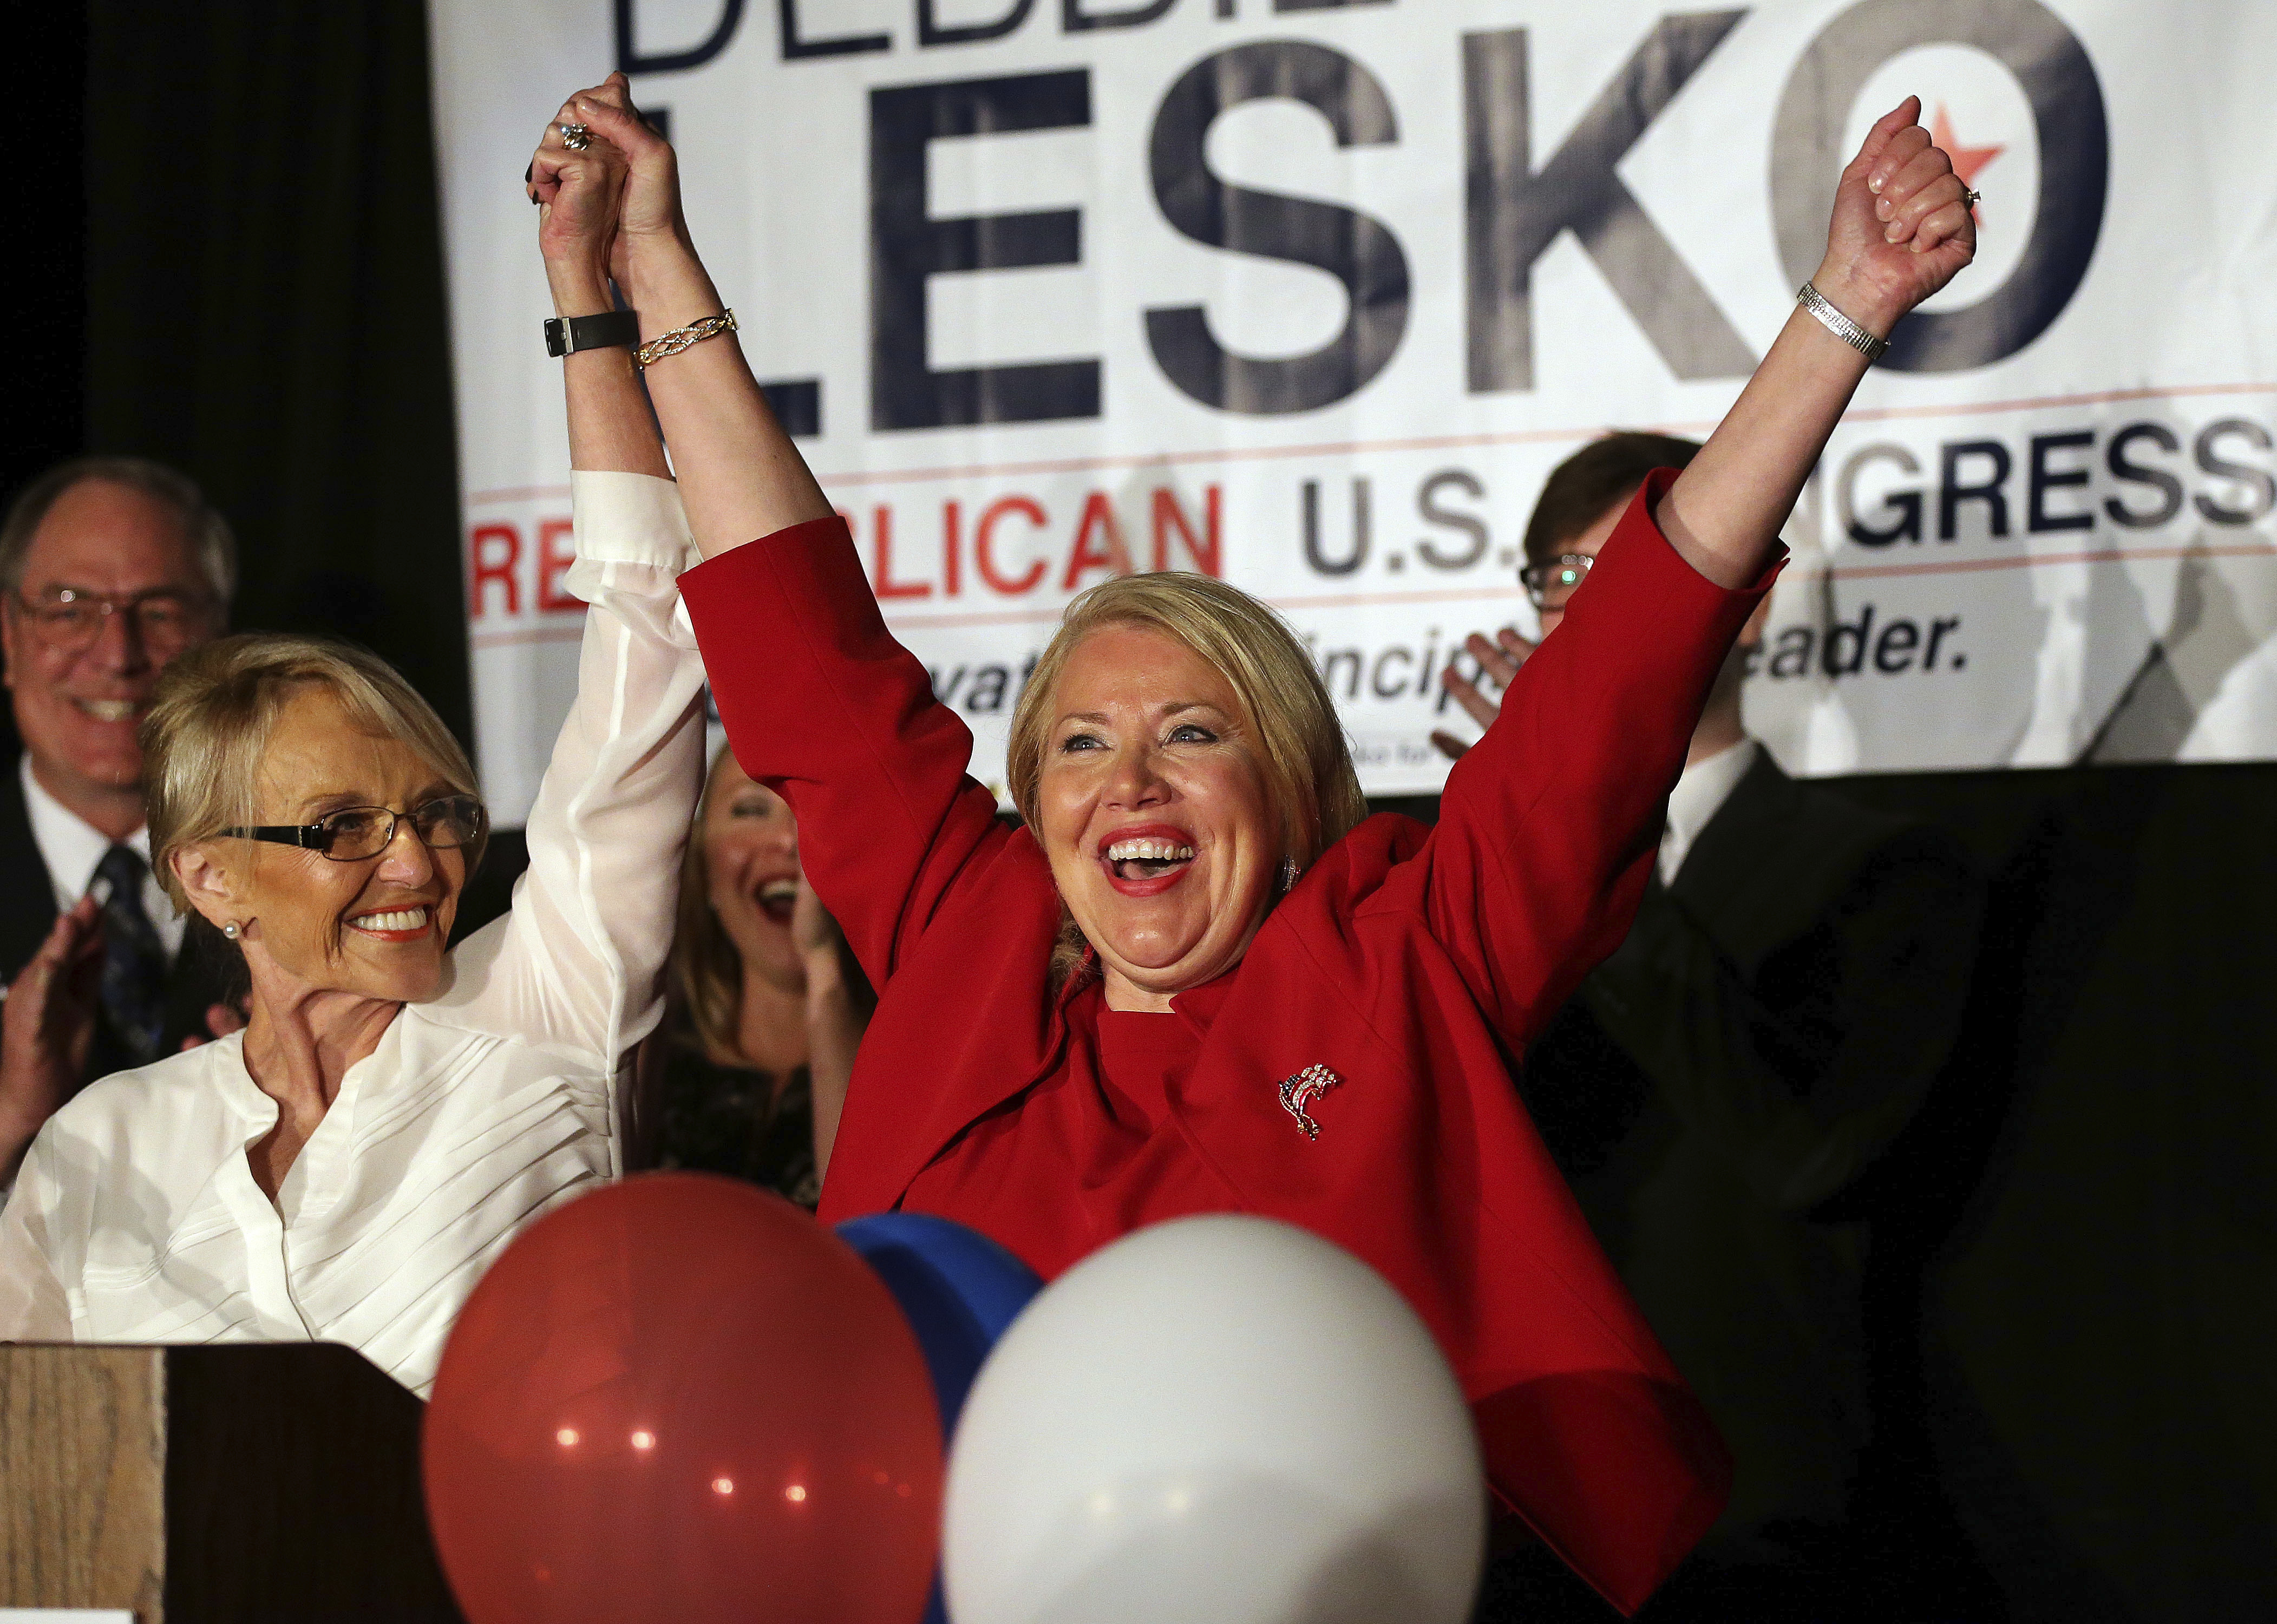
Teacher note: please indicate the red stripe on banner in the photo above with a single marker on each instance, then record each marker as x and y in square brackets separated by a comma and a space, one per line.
[2027, 561]
[912, 623]
[2101, 397]
[1435, 442]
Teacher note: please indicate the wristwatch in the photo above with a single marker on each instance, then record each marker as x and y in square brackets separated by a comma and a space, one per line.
[617, 328]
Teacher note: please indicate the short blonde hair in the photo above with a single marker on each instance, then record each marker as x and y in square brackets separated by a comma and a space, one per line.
[1308, 767]
[216, 707]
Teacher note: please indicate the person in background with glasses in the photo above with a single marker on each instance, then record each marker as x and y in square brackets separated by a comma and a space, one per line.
[345, 1168]
[1717, 1090]
[110, 567]
[1579, 504]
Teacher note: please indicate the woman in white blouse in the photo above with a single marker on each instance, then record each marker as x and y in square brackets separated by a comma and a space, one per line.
[345, 1168]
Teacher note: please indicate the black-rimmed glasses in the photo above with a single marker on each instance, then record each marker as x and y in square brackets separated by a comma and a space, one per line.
[1549, 583]
[354, 833]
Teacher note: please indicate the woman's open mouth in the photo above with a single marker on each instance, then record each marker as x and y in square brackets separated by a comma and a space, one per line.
[395, 923]
[777, 899]
[1146, 862]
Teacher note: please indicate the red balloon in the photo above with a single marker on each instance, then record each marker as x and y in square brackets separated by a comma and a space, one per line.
[681, 1399]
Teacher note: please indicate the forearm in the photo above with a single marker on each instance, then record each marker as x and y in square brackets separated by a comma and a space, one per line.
[1901, 229]
[610, 428]
[1723, 516]
[740, 476]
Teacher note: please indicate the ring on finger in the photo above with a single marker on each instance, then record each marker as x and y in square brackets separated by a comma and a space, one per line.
[1969, 199]
[574, 136]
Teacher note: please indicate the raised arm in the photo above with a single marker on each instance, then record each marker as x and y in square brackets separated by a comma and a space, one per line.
[740, 474]
[1901, 229]
[1546, 829]
[580, 956]
[820, 703]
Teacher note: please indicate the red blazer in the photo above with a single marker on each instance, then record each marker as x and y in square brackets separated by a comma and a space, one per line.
[1413, 962]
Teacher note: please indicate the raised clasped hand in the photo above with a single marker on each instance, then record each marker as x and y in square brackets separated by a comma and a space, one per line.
[601, 205]
[1902, 227]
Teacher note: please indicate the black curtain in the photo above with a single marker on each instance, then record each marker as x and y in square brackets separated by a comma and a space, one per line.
[42, 407]
[265, 305]
[2075, 1270]
[2082, 1229]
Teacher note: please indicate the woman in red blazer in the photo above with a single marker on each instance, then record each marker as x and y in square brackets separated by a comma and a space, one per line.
[1198, 980]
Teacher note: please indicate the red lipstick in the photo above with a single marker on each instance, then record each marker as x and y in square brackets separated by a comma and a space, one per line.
[1158, 884]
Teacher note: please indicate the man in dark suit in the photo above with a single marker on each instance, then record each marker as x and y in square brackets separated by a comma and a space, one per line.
[1791, 987]
[110, 567]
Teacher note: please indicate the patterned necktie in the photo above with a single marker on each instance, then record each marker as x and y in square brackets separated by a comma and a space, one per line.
[133, 960]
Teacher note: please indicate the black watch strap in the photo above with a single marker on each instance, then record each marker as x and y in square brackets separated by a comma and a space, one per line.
[620, 328]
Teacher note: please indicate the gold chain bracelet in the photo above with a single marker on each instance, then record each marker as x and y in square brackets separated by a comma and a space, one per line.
[680, 337]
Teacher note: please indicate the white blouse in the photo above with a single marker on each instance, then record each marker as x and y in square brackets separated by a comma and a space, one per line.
[136, 1217]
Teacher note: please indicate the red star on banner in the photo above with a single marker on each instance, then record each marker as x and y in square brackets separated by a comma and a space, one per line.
[1966, 160]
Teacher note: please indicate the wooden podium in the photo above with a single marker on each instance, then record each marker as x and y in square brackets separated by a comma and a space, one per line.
[201, 1485]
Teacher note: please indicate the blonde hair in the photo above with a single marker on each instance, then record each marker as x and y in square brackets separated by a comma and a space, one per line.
[1285, 706]
[705, 965]
[216, 708]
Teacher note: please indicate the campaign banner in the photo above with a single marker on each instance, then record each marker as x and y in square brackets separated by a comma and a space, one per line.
[1312, 294]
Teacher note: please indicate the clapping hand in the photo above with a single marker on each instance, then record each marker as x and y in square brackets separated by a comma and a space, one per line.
[47, 1026]
[1498, 663]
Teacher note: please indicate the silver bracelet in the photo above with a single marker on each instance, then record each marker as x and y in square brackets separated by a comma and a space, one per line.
[681, 338]
[1841, 325]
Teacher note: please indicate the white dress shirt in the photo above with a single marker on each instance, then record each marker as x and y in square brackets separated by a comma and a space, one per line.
[71, 847]
[1699, 794]
[136, 1217]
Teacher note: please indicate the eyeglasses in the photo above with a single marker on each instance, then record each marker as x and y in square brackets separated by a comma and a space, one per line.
[354, 833]
[69, 619]
[1550, 583]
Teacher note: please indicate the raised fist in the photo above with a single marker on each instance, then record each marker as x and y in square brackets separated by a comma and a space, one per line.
[1902, 227]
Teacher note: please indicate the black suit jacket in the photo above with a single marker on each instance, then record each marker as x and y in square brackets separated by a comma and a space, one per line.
[198, 976]
[1766, 1029]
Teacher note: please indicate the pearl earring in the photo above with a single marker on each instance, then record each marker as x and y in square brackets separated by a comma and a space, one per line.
[232, 930]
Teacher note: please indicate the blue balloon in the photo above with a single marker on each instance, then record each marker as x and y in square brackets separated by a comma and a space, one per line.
[959, 1289]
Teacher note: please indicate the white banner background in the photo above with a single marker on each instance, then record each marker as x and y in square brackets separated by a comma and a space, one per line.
[2026, 554]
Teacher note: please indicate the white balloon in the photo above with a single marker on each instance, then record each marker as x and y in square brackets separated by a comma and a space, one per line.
[1222, 1419]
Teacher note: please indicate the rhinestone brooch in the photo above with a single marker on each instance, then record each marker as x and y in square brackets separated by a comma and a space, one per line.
[1302, 1089]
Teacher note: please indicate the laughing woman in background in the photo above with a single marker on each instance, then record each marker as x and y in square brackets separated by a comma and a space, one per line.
[748, 1073]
